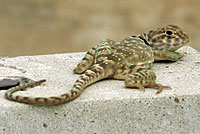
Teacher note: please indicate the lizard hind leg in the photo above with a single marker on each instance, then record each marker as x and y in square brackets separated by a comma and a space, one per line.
[90, 56]
[142, 79]
[86, 62]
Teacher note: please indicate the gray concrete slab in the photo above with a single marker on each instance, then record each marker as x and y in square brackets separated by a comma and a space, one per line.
[107, 106]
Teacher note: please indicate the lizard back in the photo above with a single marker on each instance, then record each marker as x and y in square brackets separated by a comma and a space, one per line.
[129, 55]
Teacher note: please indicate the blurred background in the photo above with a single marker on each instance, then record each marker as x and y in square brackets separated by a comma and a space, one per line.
[33, 27]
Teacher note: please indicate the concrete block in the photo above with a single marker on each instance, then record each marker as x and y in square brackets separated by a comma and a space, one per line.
[106, 107]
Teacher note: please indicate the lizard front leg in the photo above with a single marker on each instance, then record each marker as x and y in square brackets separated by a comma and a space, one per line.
[142, 79]
[167, 55]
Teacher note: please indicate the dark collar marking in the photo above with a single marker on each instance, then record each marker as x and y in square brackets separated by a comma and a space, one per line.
[145, 41]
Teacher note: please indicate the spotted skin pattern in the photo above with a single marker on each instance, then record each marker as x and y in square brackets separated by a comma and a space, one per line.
[129, 60]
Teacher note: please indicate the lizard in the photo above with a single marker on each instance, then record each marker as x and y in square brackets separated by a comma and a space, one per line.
[129, 59]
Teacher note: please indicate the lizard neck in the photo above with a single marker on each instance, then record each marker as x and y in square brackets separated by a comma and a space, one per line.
[145, 38]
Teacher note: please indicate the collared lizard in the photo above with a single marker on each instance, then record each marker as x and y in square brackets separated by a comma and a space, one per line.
[129, 60]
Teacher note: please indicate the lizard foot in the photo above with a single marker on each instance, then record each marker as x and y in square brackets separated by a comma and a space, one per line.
[161, 87]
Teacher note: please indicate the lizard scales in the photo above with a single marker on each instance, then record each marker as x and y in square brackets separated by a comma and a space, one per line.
[129, 60]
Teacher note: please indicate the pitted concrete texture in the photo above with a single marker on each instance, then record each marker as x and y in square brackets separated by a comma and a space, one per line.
[106, 107]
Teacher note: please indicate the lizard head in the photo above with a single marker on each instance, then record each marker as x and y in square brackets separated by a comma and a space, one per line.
[167, 38]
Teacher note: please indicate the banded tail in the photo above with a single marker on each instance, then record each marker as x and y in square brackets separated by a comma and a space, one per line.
[94, 74]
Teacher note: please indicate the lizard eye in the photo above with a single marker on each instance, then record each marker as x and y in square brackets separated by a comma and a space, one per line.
[168, 32]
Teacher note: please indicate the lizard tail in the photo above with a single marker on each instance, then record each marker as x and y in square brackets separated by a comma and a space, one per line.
[92, 75]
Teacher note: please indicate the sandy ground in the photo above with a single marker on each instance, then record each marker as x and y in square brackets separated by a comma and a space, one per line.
[45, 27]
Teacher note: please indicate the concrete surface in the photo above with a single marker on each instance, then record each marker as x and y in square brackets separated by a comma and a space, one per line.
[107, 107]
